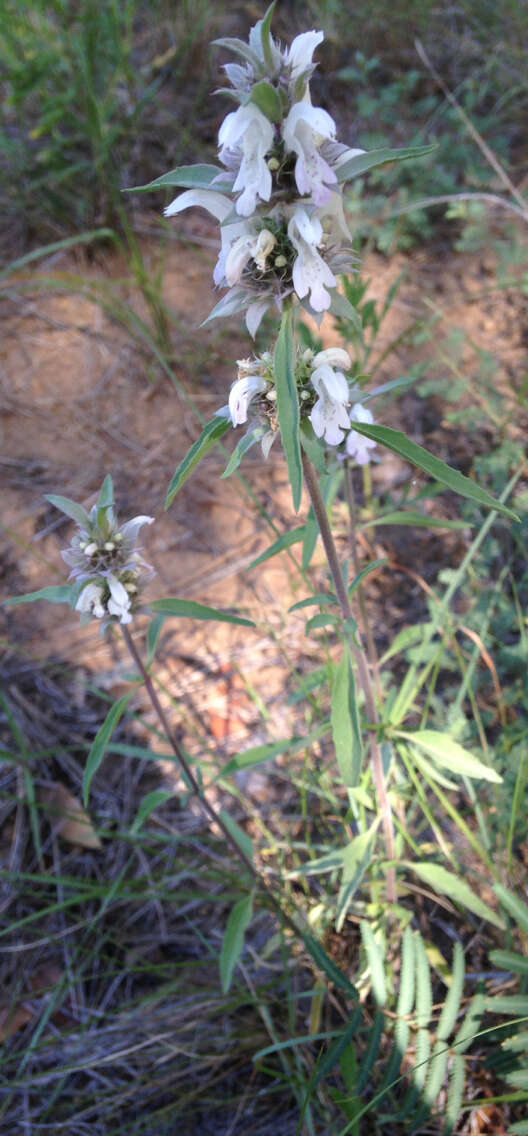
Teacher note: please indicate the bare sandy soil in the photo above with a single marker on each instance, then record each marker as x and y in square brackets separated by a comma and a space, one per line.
[82, 397]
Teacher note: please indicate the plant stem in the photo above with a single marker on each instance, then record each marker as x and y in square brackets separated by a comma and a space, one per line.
[363, 670]
[366, 628]
[194, 784]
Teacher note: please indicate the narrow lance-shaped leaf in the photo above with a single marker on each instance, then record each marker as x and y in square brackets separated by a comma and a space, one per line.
[55, 593]
[106, 496]
[233, 942]
[211, 434]
[265, 36]
[100, 742]
[246, 443]
[345, 722]
[282, 542]
[189, 609]
[361, 163]
[288, 404]
[148, 805]
[187, 177]
[458, 890]
[449, 754]
[397, 442]
[71, 508]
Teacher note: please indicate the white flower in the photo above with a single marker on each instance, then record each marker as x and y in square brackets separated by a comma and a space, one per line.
[237, 238]
[242, 394]
[216, 203]
[90, 601]
[303, 131]
[329, 416]
[357, 446]
[248, 129]
[310, 273]
[334, 357]
[119, 602]
[299, 54]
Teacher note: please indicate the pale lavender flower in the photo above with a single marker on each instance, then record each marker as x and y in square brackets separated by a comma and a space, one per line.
[303, 131]
[329, 416]
[311, 274]
[241, 395]
[357, 445]
[249, 131]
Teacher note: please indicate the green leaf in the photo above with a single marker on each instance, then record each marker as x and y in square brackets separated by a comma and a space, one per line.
[509, 960]
[458, 891]
[101, 741]
[514, 906]
[282, 542]
[448, 1017]
[250, 439]
[320, 599]
[234, 301]
[211, 434]
[448, 754]
[408, 517]
[187, 177]
[514, 1004]
[106, 496]
[265, 37]
[376, 1032]
[364, 573]
[153, 634]
[336, 1050]
[341, 307]
[375, 957]
[424, 989]
[233, 941]
[364, 162]
[345, 722]
[327, 965]
[397, 442]
[240, 837]
[267, 752]
[238, 47]
[455, 1094]
[288, 404]
[268, 100]
[55, 593]
[148, 805]
[357, 857]
[323, 619]
[471, 1024]
[71, 508]
[330, 484]
[312, 446]
[188, 609]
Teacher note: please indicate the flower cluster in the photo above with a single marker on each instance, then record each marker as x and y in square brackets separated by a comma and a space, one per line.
[325, 396]
[104, 559]
[278, 201]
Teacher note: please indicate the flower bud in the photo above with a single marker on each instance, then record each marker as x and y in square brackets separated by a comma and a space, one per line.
[90, 549]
